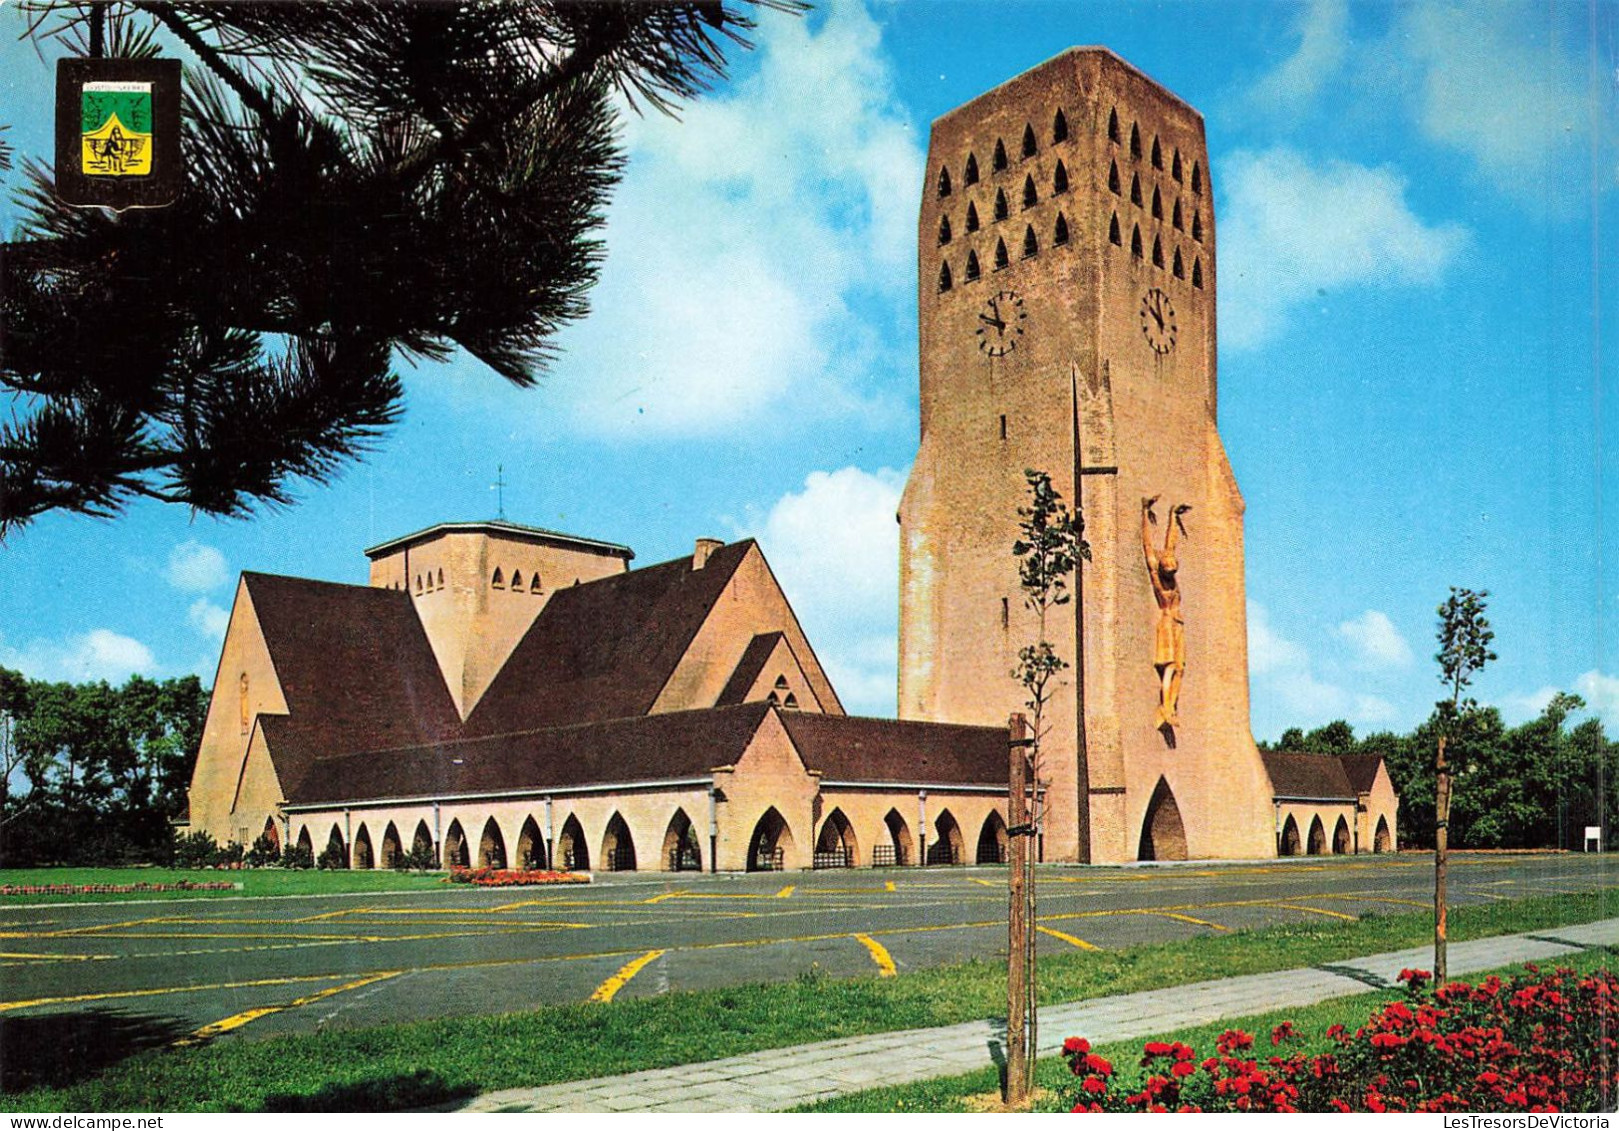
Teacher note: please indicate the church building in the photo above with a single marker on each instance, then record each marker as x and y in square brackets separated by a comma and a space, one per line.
[502, 695]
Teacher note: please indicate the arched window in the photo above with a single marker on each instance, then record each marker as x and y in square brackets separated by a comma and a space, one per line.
[1157, 154]
[1135, 141]
[418, 583]
[1197, 178]
[534, 584]
[1113, 125]
[969, 175]
[1175, 166]
[1059, 179]
[972, 266]
[441, 579]
[1197, 226]
[1197, 273]
[944, 181]
[1135, 190]
[1113, 231]
[972, 217]
[1179, 225]
[1157, 204]
[1029, 146]
[1030, 196]
[1000, 205]
[1180, 269]
[944, 277]
[1001, 258]
[781, 683]
[1059, 231]
[517, 581]
[1113, 177]
[498, 580]
[790, 703]
[944, 230]
[1059, 128]
[1031, 246]
[1000, 156]
[1157, 252]
[1135, 240]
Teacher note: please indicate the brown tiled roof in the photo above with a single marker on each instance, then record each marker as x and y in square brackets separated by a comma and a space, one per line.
[849, 749]
[354, 666]
[605, 649]
[748, 667]
[1361, 769]
[666, 747]
[1307, 775]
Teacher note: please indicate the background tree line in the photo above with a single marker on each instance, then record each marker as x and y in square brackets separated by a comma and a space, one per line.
[95, 774]
[1536, 785]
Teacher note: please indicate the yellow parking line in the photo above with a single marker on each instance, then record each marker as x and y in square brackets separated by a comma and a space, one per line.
[7, 1006]
[664, 896]
[889, 886]
[786, 891]
[879, 955]
[56, 957]
[1069, 939]
[237, 1020]
[332, 914]
[1188, 919]
[606, 991]
[1314, 910]
[985, 883]
[1375, 899]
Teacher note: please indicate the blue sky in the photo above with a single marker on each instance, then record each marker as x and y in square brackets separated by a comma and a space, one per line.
[1411, 205]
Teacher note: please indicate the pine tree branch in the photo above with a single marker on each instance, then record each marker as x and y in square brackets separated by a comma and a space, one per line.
[250, 95]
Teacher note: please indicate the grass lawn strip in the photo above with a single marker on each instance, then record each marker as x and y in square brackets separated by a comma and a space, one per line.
[421, 1063]
[959, 1093]
[255, 882]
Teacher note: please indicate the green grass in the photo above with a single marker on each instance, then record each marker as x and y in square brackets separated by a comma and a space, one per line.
[956, 1093]
[421, 1063]
[254, 881]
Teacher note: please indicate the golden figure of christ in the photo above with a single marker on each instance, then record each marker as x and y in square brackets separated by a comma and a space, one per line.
[1169, 642]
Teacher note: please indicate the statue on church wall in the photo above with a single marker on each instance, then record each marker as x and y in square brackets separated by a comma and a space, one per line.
[1169, 643]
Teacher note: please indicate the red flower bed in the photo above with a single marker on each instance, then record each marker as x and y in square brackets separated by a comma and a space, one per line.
[507, 878]
[111, 889]
[1543, 1041]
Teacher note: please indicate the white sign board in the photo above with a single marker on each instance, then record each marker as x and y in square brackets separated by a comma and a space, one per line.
[1593, 838]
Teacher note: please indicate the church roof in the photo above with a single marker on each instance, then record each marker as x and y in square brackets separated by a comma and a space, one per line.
[1361, 770]
[505, 529]
[749, 666]
[1316, 777]
[674, 746]
[354, 666]
[844, 748]
[605, 649]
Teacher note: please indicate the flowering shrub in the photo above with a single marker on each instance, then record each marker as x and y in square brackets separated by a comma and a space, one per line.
[111, 889]
[1542, 1041]
[505, 878]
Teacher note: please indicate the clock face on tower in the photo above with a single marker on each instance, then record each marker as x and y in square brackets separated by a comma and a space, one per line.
[1158, 321]
[1000, 324]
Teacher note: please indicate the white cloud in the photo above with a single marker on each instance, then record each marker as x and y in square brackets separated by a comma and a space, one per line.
[834, 548]
[97, 654]
[742, 238]
[1293, 230]
[1323, 30]
[1600, 692]
[1377, 643]
[196, 568]
[1283, 678]
[1267, 650]
[208, 618]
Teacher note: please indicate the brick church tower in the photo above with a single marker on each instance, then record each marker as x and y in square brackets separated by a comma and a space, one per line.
[1066, 308]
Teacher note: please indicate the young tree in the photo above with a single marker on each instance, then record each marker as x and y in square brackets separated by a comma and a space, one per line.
[365, 181]
[1464, 648]
[1049, 547]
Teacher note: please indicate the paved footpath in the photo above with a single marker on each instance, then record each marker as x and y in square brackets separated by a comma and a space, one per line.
[782, 1078]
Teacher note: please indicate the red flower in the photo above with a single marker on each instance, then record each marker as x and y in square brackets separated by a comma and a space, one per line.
[1076, 1046]
[1183, 1068]
[1095, 1085]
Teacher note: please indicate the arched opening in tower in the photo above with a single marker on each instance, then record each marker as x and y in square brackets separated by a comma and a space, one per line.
[767, 847]
[1163, 836]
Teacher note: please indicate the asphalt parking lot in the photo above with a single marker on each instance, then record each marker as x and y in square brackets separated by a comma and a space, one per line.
[199, 969]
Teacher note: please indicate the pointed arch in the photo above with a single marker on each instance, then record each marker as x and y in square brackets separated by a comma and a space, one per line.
[947, 846]
[944, 180]
[944, 230]
[1135, 140]
[272, 834]
[1135, 240]
[1135, 189]
[1113, 177]
[1001, 258]
[1031, 195]
[944, 277]
[999, 161]
[1059, 179]
[1059, 231]
[1291, 845]
[836, 846]
[1157, 252]
[335, 846]
[418, 584]
[491, 846]
[1163, 834]
[1157, 204]
[972, 266]
[422, 842]
[1030, 146]
[969, 175]
[1175, 166]
[1316, 845]
[455, 846]
[1381, 841]
[1197, 273]
[790, 703]
[901, 846]
[534, 585]
[1180, 268]
[972, 217]
[305, 842]
[1031, 245]
[571, 848]
[1113, 125]
[498, 580]
[393, 850]
[1157, 154]
[531, 845]
[618, 847]
[1340, 838]
[1113, 236]
[681, 850]
[517, 580]
[1180, 226]
[992, 840]
[1000, 204]
[1197, 178]
[1197, 226]
[1059, 127]
[769, 843]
